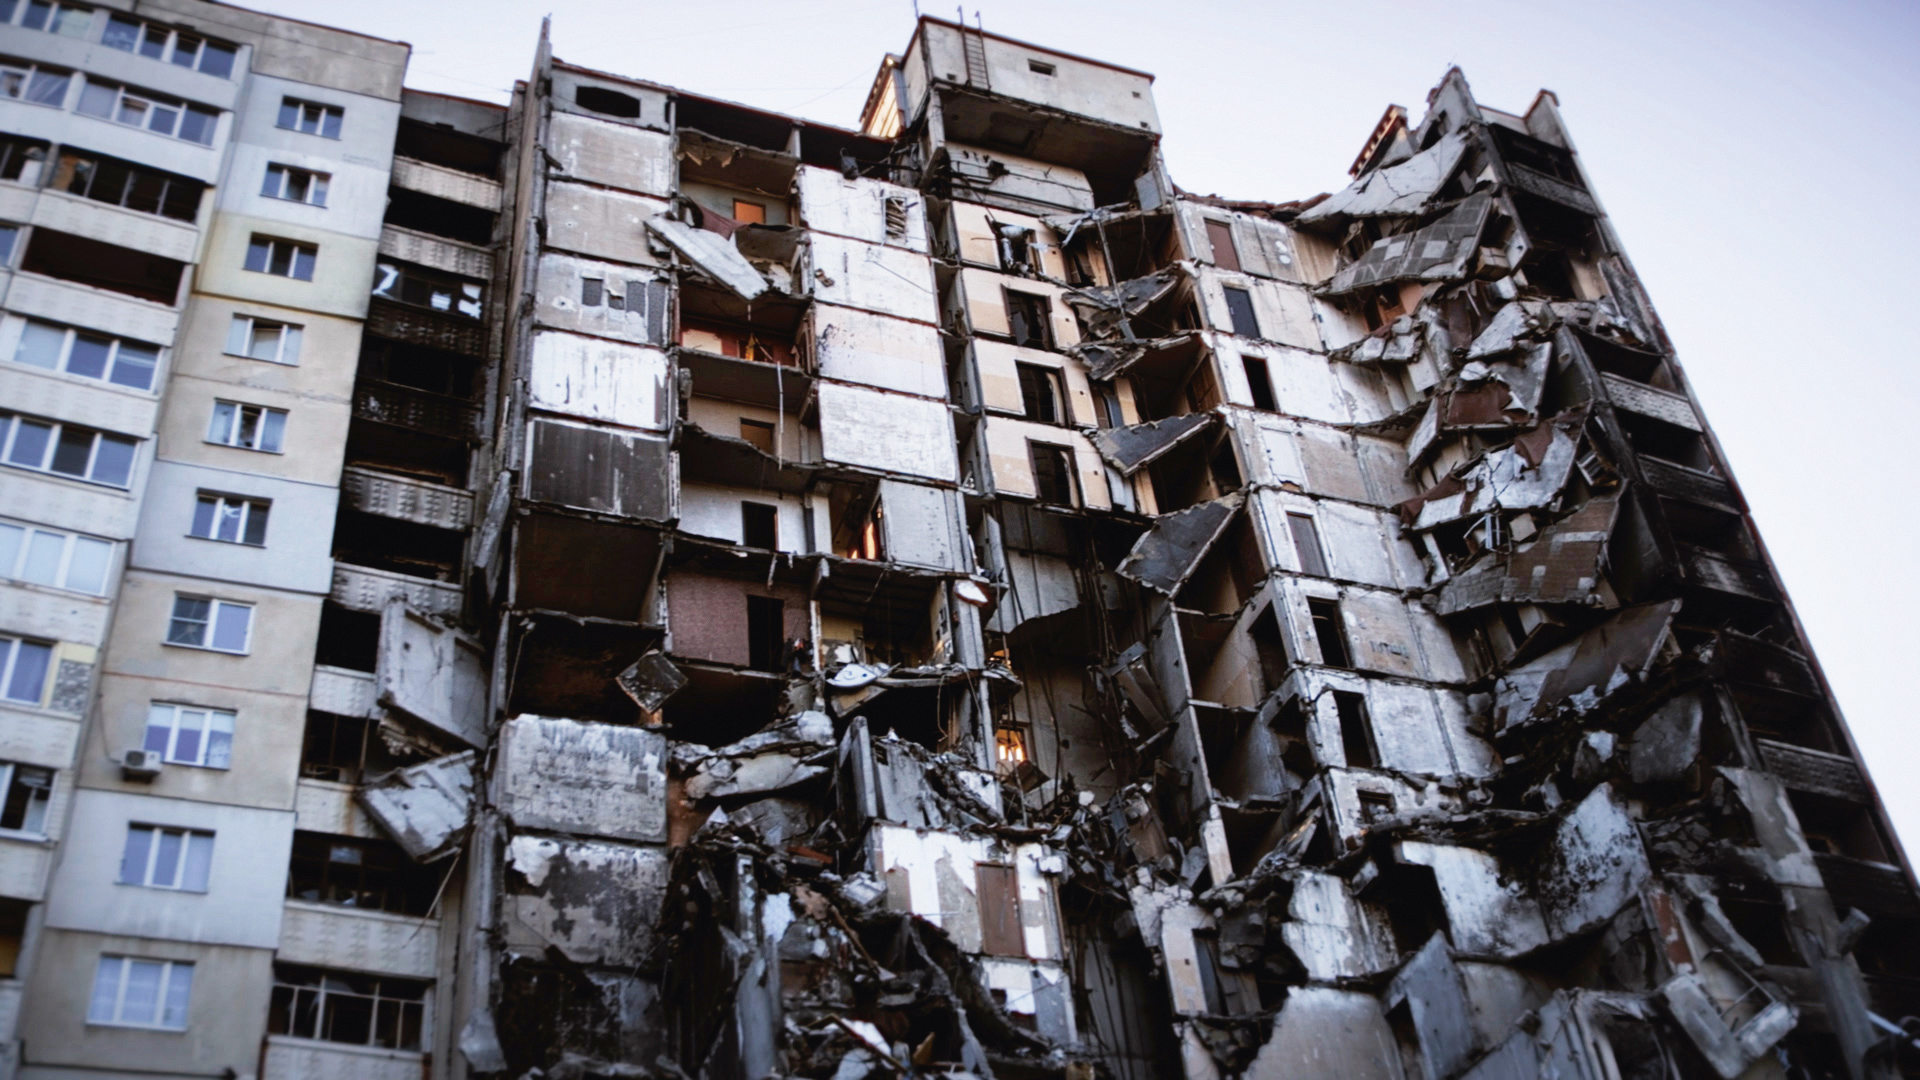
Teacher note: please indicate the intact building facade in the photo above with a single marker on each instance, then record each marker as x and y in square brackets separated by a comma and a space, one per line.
[629, 584]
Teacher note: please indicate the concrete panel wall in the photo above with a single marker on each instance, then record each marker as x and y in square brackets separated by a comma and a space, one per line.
[602, 151]
[1076, 86]
[329, 935]
[1000, 379]
[267, 731]
[713, 511]
[980, 246]
[889, 432]
[284, 628]
[796, 441]
[875, 277]
[601, 224]
[43, 611]
[297, 554]
[857, 209]
[857, 346]
[359, 159]
[80, 400]
[1007, 452]
[590, 779]
[92, 309]
[342, 274]
[558, 300]
[987, 304]
[597, 379]
[72, 504]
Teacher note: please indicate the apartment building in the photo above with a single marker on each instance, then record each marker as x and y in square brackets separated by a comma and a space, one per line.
[630, 584]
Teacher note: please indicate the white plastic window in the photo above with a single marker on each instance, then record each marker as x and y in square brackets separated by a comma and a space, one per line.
[132, 992]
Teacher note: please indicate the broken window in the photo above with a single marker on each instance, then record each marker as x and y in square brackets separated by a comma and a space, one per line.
[1259, 383]
[247, 427]
[67, 449]
[1271, 648]
[431, 214]
[1306, 544]
[1330, 631]
[158, 857]
[202, 623]
[1220, 237]
[310, 118]
[758, 433]
[766, 633]
[281, 258]
[27, 790]
[607, 102]
[230, 519]
[1375, 806]
[998, 888]
[1356, 732]
[295, 185]
[23, 669]
[1017, 251]
[56, 559]
[347, 1007]
[131, 992]
[1206, 958]
[190, 735]
[122, 183]
[426, 288]
[16, 154]
[60, 19]
[343, 749]
[92, 356]
[1052, 473]
[760, 526]
[1028, 320]
[1009, 748]
[264, 339]
[372, 875]
[1240, 309]
[1043, 393]
[103, 266]
[896, 212]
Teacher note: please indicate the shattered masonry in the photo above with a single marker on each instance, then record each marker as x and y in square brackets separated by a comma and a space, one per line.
[942, 600]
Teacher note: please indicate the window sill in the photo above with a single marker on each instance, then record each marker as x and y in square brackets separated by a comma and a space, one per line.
[296, 202]
[248, 449]
[56, 590]
[204, 648]
[163, 888]
[249, 356]
[314, 134]
[33, 839]
[230, 543]
[283, 277]
[136, 1027]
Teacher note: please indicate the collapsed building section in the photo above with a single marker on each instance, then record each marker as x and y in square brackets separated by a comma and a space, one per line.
[939, 599]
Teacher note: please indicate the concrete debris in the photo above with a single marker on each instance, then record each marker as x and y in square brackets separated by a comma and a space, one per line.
[651, 681]
[1130, 449]
[426, 808]
[1441, 251]
[1167, 554]
[712, 253]
[1401, 190]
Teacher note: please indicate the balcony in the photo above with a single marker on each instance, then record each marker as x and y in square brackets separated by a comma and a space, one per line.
[438, 252]
[344, 692]
[327, 807]
[1811, 770]
[1737, 577]
[406, 499]
[450, 184]
[1690, 485]
[1874, 887]
[1640, 398]
[420, 410]
[301, 1059]
[422, 326]
[362, 588]
[1535, 182]
[328, 935]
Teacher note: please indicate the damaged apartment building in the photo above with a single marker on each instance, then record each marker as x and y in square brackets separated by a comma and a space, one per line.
[626, 584]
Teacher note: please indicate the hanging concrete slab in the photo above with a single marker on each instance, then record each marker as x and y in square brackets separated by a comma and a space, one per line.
[431, 673]
[1441, 251]
[1130, 449]
[651, 680]
[1396, 190]
[1167, 553]
[424, 807]
[712, 253]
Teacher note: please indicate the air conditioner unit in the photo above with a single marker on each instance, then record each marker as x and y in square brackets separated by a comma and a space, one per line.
[140, 764]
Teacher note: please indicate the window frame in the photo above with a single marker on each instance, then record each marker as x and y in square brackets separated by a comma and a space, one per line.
[12, 645]
[11, 424]
[401, 885]
[170, 46]
[237, 425]
[1252, 327]
[250, 510]
[210, 624]
[148, 102]
[30, 73]
[54, 9]
[1054, 382]
[34, 819]
[150, 852]
[1217, 231]
[110, 364]
[15, 569]
[317, 183]
[211, 720]
[1035, 447]
[289, 332]
[302, 991]
[271, 246]
[83, 166]
[336, 112]
[170, 971]
[1043, 340]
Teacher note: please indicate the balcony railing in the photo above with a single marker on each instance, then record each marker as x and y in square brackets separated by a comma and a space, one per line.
[450, 184]
[362, 588]
[403, 406]
[421, 326]
[373, 492]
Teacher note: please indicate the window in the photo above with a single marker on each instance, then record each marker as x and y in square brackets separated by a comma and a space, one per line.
[230, 519]
[48, 557]
[341, 748]
[88, 355]
[67, 449]
[758, 434]
[1240, 307]
[592, 291]
[65, 20]
[190, 735]
[309, 118]
[16, 154]
[1330, 630]
[345, 1007]
[607, 102]
[138, 108]
[23, 669]
[749, 213]
[1220, 238]
[9, 235]
[1052, 473]
[1027, 320]
[760, 526]
[27, 791]
[35, 84]
[766, 633]
[162, 858]
[202, 623]
[131, 992]
[1040, 67]
[369, 874]
[249, 427]
[1356, 734]
[174, 46]
[264, 339]
[295, 185]
[1009, 748]
[1306, 544]
[13, 931]
[122, 183]
[1259, 383]
[1018, 252]
[281, 258]
[427, 288]
[896, 212]
[1042, 393]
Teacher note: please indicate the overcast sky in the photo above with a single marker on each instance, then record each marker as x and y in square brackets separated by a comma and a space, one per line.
[1757, 160]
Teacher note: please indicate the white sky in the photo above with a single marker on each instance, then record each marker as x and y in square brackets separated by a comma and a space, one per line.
[1757, 160]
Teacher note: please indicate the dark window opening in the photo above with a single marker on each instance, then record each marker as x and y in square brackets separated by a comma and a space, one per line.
[1375, 806]
[1551, 272]
[607, 102]
[13, 931]
[1052, 473]
[758, 434]
[1040, 67]
[1043, 393]
[444, 146]
[439, 217]
[1017, 253]
[347, 1007]
[348, 639]
[1764, 925]
[1240, 307]
[998, 890]
[400, 547]
[1220, 237]
[103, 266]
[344, 749]
[1259, 383]
[1331, 632]
[1270, 645]
[1306, 544]
[1206, 956]
[373, 875]
[1837, 827]
[760, 526]
[122, 183]
[17, 153]
[1356, 734]
[1668, 442]
[766, 633]
[417, 366]
[1028, 320]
